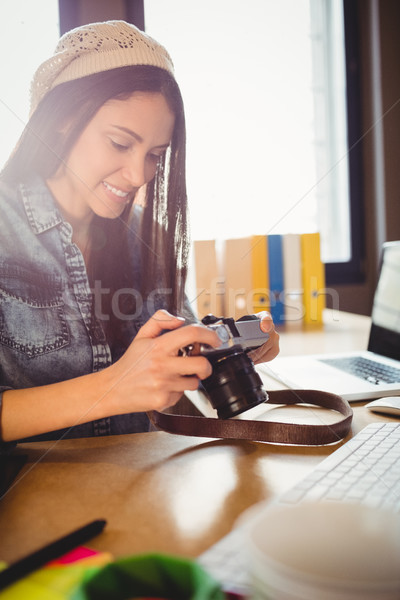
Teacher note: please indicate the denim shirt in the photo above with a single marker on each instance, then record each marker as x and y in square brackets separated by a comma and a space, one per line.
[46, 331]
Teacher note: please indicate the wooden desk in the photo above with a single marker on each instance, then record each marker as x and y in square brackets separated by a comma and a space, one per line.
[341, 331]
[159, 492]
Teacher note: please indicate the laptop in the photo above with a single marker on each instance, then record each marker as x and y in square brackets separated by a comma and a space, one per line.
[365, 375]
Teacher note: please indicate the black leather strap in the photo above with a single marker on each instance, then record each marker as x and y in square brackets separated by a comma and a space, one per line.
[267, 431]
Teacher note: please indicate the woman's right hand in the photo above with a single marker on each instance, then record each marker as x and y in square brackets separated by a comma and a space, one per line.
[151, 375]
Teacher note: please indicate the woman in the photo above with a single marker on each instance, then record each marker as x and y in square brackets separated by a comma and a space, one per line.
[89, 282]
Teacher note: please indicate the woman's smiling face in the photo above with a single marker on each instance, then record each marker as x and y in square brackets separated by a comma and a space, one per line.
[115, 155]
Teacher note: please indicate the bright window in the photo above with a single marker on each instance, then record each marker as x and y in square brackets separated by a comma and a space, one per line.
[28, 35]
[264, 90]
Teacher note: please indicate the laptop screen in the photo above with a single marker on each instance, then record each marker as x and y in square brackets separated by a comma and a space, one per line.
[385, 329]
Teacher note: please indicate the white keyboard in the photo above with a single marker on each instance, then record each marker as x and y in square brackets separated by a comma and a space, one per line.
[366, 469]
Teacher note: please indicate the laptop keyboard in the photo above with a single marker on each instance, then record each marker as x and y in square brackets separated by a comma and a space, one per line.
[365, 469]
[365, 368]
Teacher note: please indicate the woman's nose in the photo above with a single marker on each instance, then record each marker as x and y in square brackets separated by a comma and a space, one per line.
[134, 172]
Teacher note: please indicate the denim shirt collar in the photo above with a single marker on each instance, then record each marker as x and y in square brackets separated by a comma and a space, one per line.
[40, 207]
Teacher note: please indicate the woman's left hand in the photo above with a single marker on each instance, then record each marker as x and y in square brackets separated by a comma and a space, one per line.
[270, 349]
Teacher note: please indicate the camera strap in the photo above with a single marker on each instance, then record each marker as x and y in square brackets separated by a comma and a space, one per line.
[267, 431]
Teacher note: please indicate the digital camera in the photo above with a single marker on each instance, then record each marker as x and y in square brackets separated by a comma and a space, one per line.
[234, 385]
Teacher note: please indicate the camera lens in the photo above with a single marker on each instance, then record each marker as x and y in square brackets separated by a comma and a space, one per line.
[234, 385]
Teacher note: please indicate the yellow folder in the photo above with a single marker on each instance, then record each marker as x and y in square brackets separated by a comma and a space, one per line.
[313, 276]
[260, 274]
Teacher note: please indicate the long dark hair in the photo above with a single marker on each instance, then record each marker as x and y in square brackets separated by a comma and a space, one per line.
[164, 234]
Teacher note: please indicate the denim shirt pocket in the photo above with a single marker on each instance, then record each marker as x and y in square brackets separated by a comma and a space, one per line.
[32, 319]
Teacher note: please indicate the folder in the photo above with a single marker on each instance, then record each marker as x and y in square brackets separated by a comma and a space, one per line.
[276, 283]
[209, 288]
[313, 275]
[292, 278]
[260, 275]
[238, 277]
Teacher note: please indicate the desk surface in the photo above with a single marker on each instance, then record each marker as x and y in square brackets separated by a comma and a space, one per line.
[160, 492]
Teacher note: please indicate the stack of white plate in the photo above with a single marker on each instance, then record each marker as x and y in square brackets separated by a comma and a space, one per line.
[323, 551]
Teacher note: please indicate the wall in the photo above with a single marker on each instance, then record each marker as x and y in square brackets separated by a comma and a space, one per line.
[104, 10]
[78, 12]
[379, 25]
[390, 45]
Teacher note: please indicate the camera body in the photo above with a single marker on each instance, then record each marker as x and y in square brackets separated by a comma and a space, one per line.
[234, 385]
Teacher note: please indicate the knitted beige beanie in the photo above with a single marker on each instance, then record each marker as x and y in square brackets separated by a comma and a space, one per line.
[95, 48]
